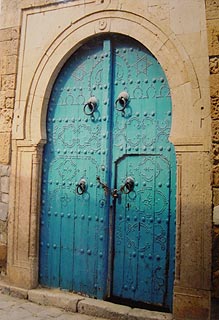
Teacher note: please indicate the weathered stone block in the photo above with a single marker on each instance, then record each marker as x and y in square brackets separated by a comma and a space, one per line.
[14, 46]
[8, 82]
[212, 9]
[214, 64]
[9, 64]
[5, 147]
[215, 131]
[55, 298]
[191, 304]
[4, 170]
[214, 88]
[3, 232]
[215, 150]
[3, 211]
[13, 291]
[15, 32]
[185, 17]
[6, 116]
[10, 94]
[9, 103]
[216, 215]
[5, 198]
[10, 47]
[97, 308]
[215, 177]
[215, 107]
[140, 314]
[5, 48]
[160, 9]
[3, 258]
[215, 196]
[3, 253]
[5, 34]
[213, 37]
[2, 101]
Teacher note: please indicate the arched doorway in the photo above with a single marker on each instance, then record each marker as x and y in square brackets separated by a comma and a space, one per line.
[108, 186]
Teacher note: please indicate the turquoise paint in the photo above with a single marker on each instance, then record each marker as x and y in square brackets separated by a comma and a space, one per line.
[93, 243]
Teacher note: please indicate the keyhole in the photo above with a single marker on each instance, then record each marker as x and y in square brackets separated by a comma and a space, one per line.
[128, 206]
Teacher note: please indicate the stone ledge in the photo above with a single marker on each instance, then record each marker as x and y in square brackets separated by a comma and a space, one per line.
[55, 298]
[103, 309]
[13, 291]
[140, 314]
[76, 303]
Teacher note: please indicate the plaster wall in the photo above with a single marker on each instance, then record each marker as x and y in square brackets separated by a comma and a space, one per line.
[175, 32]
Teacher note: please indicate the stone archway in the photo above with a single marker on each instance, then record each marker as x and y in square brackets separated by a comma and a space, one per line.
[192, 280]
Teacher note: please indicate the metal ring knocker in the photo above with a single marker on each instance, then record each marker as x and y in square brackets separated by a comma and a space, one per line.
[81, 187]
[90, 106]
[128, 186]
[122, 101]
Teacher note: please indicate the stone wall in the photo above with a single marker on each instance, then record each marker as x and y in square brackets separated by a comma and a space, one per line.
[4, 197]
[9, 41]
[212, 14]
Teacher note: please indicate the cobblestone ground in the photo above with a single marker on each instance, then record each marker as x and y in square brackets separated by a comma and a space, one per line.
[19, 309]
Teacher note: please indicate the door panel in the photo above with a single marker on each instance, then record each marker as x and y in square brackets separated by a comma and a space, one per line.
[87, 228]
[72, 225]
[144, 217]
[141, 229]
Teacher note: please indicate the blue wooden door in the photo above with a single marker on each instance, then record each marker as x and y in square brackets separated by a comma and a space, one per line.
[108, 186]
[143, 264]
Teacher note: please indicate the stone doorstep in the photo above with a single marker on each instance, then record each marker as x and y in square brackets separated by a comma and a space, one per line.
[75, 303]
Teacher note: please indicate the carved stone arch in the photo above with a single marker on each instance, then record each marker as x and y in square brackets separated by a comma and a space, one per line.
[172, 57]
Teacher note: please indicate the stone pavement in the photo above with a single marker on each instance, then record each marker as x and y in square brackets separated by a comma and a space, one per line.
[47, 304]
[12, 308]
[42, 303]
[20, 309]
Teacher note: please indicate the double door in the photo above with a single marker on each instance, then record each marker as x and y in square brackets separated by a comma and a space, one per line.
[108, 182]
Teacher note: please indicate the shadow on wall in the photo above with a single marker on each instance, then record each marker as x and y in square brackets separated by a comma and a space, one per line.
[215, 262]
[3, 259]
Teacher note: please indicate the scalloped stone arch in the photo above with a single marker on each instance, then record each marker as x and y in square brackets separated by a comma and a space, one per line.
[181, 76]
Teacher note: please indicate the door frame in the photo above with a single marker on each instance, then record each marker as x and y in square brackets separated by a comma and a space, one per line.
[192, 277]
[167, 265]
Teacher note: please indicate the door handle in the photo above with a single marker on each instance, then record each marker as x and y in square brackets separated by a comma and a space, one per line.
[128, 185]
[90, 106]
[81, 187]
[122, 101]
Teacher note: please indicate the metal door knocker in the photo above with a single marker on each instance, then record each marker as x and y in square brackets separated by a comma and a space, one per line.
[122, 101]
[81, 187]
[128, 186]
[90, 106]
